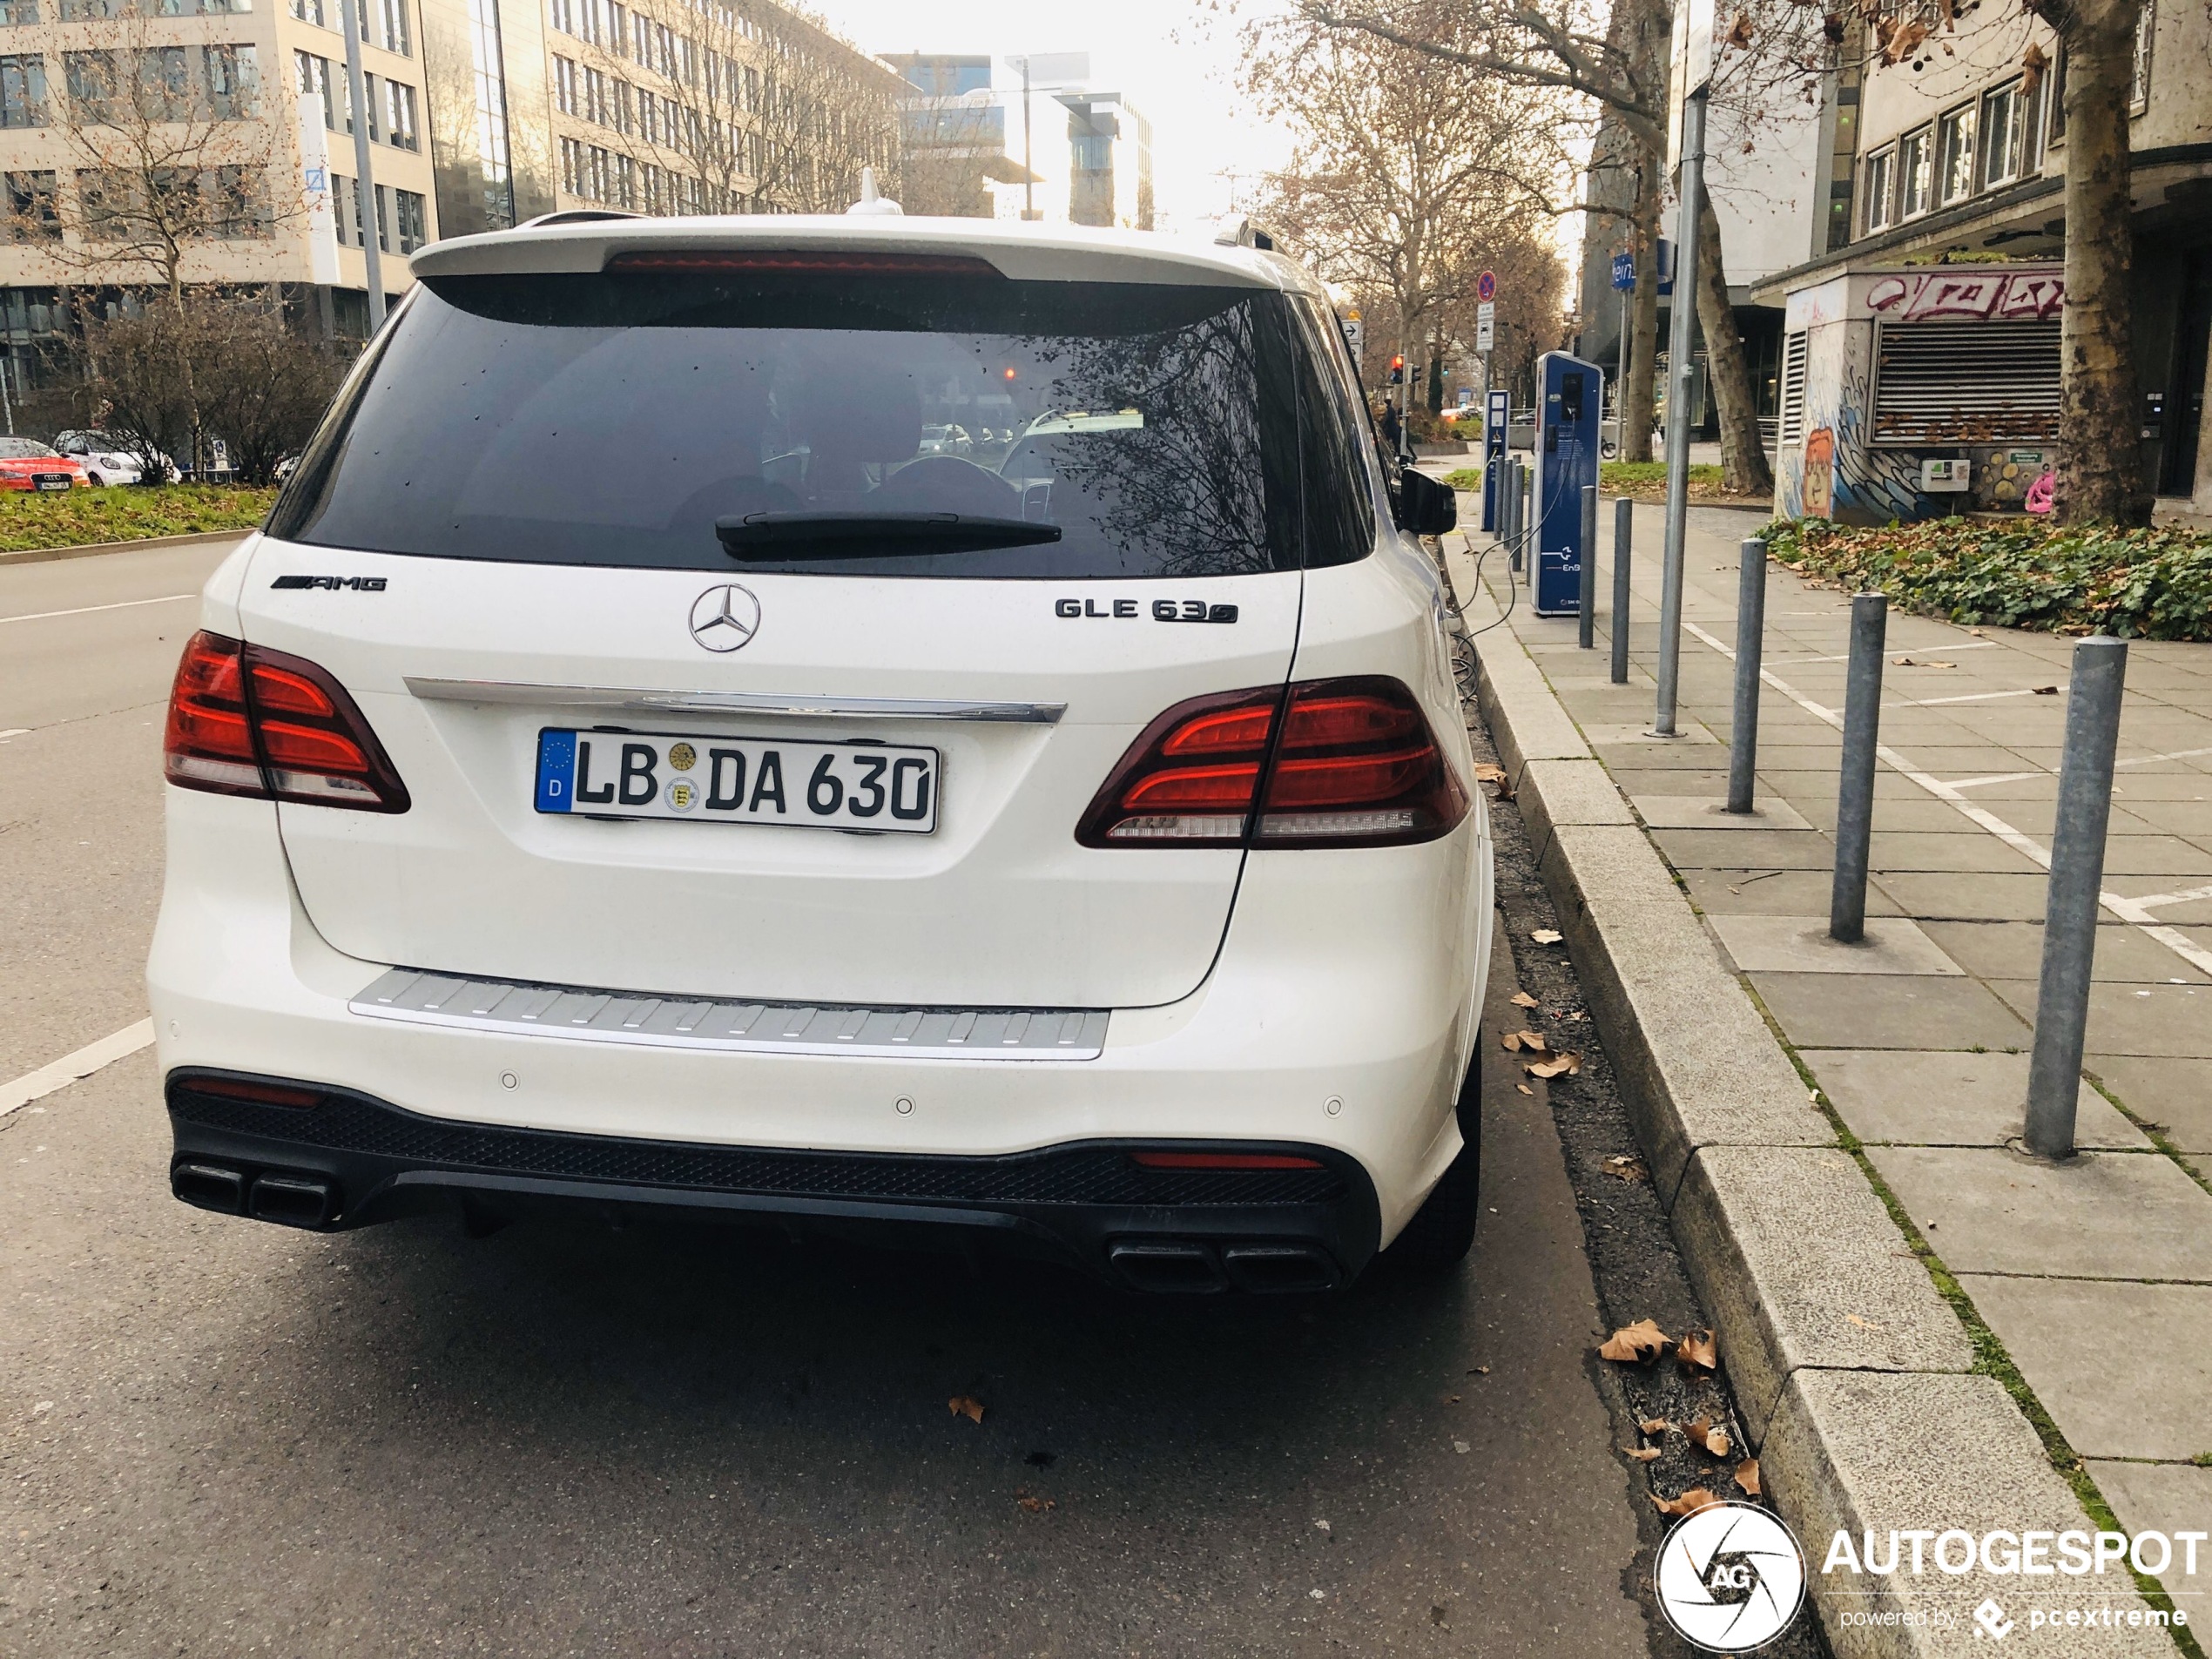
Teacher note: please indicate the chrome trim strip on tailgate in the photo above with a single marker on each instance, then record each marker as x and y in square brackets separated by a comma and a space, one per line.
[509, 1007]
[645, 702]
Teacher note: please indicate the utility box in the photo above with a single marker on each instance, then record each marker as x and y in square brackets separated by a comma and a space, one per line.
[1496, 417]
[1569, 395]
[1911, 392]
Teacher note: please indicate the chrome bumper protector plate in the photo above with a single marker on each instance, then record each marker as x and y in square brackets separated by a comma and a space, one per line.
[720, 1025]
[649, 702]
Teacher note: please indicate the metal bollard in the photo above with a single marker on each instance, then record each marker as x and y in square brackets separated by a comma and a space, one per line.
[1750, 631]
[1869, 614]
[1624, 514]
[2070, 908]
[1587, 634]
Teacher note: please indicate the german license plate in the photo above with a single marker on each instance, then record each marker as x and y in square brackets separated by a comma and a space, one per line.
[739, 780]
[53, 483]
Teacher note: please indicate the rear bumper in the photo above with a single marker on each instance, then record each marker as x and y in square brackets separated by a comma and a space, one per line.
[349, 1160]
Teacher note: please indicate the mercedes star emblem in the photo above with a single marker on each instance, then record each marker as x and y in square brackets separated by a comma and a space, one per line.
[725, 618]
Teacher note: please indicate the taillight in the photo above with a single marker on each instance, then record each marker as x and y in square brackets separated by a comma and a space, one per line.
[247, 720]
[1355, 765]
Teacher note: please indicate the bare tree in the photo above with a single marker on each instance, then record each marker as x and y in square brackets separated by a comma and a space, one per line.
[1404, 185]
[1620, 63]
[169, 161]
[950, 144]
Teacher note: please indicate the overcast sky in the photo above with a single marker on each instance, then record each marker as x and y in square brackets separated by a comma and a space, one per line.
[1161, 53]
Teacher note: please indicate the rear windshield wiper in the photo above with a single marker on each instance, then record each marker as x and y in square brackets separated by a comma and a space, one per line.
[828, 534]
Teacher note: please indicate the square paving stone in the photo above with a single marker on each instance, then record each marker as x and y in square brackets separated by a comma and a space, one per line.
[2014, 950]
[2104, 1214]
[2169, 855]
[2125, 1370]
[1916, 1097]
[2171, 1091]
[1933, 896]
[1744, 849]
[1710, 811]
[1888, 1011]
[2169, 1498]
[2134, 1019]
[1967, 849]
[1638, 735]
[1771, 892]
[1801, 945]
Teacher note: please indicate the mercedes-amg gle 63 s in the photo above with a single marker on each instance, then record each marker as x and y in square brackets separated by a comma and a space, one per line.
[643, 763]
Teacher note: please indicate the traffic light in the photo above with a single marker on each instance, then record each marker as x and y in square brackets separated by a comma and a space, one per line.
[1398, 371]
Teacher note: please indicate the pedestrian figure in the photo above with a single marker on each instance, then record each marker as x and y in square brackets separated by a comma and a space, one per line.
[1390, 428]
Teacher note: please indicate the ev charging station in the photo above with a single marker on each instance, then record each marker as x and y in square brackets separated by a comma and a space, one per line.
[1572, 392]
[1495, 414]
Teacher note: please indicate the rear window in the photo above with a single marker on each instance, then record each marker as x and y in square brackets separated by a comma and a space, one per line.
[613, 418]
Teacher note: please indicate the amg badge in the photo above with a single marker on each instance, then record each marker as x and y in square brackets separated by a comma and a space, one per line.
[359, 583]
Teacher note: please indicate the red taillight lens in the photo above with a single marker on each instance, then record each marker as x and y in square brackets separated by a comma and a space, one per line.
[1356, 766]
[245, 720]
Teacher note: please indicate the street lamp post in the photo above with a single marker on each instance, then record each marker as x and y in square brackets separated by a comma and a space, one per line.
[1681, 381]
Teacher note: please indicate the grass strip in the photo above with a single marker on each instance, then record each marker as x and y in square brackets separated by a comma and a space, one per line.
[31, 522]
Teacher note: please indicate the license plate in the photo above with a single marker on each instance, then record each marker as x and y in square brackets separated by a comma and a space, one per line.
[53, 483]
[739, 780]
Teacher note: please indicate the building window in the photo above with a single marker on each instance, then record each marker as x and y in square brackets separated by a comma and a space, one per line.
[104, 197]
[621, 122]
[33, 212]
[489, 59]
[399, 116]
[17, 11]
[411, 211]
[2002, 108]
[617, 38]
[309, 11]
[312, 74]
[564, 15]
[1881, 179]
[2139, 79]
[1954, 159]
[23, 90]
[242, 206]
[234, 81]
[595, 97]
[1912, 180]
[564, 86]
[398, 35]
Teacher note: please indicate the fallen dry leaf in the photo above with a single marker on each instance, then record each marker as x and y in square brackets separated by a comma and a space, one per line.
[1567, 1061]
[962, 1406]
[1484, 773]
[1747, 1475]
[1547, 936]
[1642, 1453]
[2046, 691]
[1976, 632]
[1641, 1341]
[1627, 1168]
[1531, 1041]
[1868, 1325]
[1689, 1504]
[1711, 1435]
[1035, 1506]
[1524, 1089]
[1695, 1352]
[1911, 662]
[1653, 1425]
[1478, 1371]
[1521, 1000]
[1451, 1400]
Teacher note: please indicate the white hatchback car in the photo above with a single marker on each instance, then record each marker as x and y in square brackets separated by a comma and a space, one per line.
[630, 769]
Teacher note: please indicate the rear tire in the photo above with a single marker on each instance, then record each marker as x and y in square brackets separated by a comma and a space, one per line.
[1441, 1232]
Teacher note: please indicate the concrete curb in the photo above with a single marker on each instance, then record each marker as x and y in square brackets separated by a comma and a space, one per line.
[90, 549]
[1849, 1367]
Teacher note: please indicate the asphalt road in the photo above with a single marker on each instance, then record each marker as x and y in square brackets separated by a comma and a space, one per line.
[218, 1437]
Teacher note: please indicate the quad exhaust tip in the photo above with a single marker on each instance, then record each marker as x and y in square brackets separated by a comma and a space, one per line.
[289, 1200]
[1186, 1267]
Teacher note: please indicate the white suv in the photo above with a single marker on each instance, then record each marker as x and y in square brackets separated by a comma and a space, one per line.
[631, 767]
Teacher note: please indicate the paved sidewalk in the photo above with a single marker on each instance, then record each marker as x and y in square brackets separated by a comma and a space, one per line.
[2097, 1276]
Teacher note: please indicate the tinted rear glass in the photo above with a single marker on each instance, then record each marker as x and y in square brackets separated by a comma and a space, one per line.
[610, 419]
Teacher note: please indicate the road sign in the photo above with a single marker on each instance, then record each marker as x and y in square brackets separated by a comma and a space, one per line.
[1485, 333]
[1624, 270]
[1355, 336]
[1486, 287]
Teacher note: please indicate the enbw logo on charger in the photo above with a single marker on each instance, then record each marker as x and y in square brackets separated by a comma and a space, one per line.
[1731, 1578]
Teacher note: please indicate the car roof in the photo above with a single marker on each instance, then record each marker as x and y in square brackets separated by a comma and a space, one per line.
[1025, 252]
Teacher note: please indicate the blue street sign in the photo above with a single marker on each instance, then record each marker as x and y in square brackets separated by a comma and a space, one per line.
[1624, 270]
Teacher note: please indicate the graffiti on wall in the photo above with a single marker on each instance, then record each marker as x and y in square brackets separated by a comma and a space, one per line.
[1834, 473]
[1968, 295]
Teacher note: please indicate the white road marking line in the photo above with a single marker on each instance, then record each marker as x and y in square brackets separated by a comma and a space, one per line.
[2159, 900]
[1999, 777]
[1971, 696]
[86, 611]
[2128, 910]
[2152, 760]
[1845, 656]
[15, 731]
[70, 1068]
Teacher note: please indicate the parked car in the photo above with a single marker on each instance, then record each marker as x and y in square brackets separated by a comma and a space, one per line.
[25, 463]
[945, 440]
[111, 457]
[633, 770]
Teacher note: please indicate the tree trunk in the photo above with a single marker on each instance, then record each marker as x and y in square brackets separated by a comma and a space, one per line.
[1744, 469]
[2101, 467]
[1639, 399]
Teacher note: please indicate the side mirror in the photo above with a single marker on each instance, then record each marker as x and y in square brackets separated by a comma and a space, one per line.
[1425, 507]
